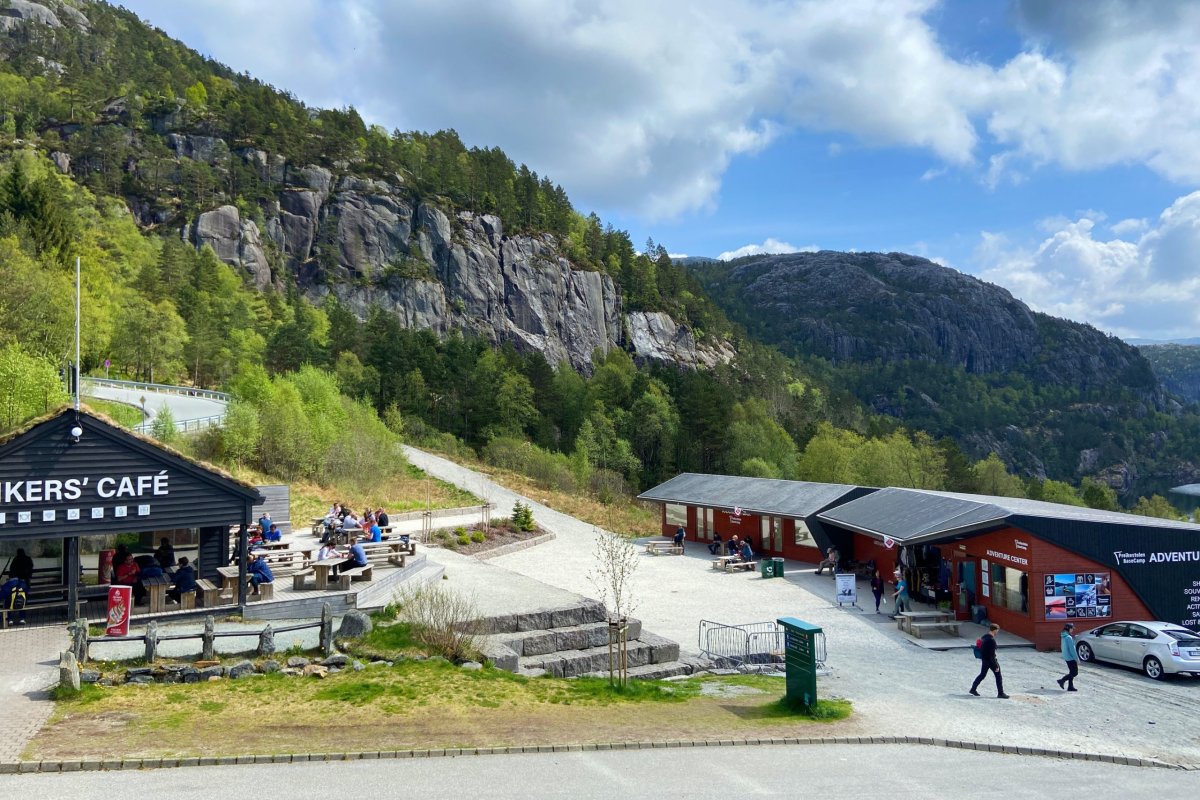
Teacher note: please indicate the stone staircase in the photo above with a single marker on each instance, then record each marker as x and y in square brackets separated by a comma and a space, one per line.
[572, 640]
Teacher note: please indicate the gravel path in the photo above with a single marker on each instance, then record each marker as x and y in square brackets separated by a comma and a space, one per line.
[897, 688]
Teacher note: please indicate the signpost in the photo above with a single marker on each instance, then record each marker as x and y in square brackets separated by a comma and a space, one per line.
[846, 589]
[800, 661]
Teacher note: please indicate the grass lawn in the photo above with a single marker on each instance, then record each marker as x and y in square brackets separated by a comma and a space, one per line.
[413, 705]
[127, 416]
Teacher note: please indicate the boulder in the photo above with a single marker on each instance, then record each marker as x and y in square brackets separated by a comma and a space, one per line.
[355, 625]
[358, 666]
[241, 670]
[140, 679]
[208, 673]
[89, 676]
[315, 671]
[336, 660]
[297, 662]
[269, 666]
[471, 666]
[18, 12]
[68, 670]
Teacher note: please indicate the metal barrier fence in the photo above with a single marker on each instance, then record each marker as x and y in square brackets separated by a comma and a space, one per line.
[750, 643]
[184, 425]
[160, 388]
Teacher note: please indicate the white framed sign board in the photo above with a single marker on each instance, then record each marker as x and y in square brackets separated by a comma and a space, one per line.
[846, 589]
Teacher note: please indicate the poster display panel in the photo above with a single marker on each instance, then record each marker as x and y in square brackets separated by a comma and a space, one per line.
[1071, 595]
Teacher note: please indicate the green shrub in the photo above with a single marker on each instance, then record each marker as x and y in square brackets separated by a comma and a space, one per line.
[552, 470]
[522, 517]
[441, 535]
[463, 540]
[460, 531]
[478, 537]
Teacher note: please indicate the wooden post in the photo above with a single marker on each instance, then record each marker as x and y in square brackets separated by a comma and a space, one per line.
[151, 639]
[243, 555]
[207, 650]
[326, 630]
[71, 556]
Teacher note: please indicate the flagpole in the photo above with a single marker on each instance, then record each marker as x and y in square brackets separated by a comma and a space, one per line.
[77, 333]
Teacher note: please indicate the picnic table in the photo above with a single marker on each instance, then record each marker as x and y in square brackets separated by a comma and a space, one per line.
[265, 545]
[321, 570]
[913, 622]
[722, 562]
[156, 589]
[657, 548]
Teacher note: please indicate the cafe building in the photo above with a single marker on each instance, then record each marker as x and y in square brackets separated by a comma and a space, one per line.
[1026, 564]
[779, 517]
[75, 474]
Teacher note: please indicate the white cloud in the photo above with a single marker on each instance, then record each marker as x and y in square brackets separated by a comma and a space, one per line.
[1148, 286]
[677, 255]
[770, 246]
[642, 106]
[1127, 227]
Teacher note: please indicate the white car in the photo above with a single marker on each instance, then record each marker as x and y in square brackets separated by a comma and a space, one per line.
[1156, 648]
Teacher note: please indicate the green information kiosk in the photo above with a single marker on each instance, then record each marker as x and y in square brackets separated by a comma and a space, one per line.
[800, 658]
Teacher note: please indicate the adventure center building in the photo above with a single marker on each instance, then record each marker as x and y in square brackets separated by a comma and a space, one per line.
[1026, 564]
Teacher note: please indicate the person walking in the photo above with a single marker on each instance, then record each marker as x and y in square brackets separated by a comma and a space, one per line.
[987, 648]
[877, 588]
[900, 596]
[1070, 656]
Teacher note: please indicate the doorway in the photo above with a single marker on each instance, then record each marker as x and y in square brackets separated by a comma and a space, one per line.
[968, 591]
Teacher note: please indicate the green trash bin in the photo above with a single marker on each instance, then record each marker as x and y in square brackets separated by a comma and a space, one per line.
[766, 568]
[778, 562]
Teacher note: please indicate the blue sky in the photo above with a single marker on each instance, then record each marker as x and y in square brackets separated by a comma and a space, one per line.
[1048, 147]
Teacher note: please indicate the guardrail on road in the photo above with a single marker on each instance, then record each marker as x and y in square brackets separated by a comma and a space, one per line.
[159, 388]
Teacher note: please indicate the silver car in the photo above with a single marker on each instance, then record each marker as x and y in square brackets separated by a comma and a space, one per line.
[1156, 648]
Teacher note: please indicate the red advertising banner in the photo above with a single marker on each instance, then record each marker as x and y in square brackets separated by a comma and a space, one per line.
[120, 605]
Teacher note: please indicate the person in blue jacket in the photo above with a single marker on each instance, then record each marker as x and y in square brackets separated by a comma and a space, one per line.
[260, 572]
[679, 536]
[376, 532]
[185, 580]
[273, 534]
[1069, 655]
[747, 553]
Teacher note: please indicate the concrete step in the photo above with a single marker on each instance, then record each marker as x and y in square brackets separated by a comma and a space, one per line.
[572, 637]
[543, 619]
[649, 650]
[653, 672]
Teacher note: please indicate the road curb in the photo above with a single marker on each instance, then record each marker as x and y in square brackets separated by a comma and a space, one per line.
[113, 765]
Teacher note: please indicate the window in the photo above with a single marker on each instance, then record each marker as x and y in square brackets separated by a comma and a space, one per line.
[676, 515]
[706, 523]
[804, 535]
[1010, 588]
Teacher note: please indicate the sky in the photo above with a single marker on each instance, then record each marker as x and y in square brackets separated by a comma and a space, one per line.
[1050, 148]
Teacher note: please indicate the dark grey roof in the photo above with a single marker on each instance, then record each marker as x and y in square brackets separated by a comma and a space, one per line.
[767, 496]
[911, 515]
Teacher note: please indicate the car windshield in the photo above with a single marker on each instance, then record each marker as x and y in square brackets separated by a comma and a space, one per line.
[1187, 637]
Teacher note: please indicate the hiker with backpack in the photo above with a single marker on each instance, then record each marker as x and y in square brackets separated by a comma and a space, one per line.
[13, 595]
[985, 651]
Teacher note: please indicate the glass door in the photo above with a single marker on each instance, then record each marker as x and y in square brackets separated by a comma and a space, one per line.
[968, 592]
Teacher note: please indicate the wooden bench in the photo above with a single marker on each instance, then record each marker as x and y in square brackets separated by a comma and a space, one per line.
[210, 595]
[354, 573]
[384, 552]
[266, 591]
[734, 566]
[915, 628]
[300, 578]
[663, 548]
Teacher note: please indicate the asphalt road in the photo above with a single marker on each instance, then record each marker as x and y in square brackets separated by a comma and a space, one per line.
[182, 407]
[826, 771]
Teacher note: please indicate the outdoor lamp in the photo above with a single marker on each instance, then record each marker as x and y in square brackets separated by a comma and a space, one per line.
[76, 433]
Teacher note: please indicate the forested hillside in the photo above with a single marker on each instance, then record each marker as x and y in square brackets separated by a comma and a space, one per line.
[1177, 366]
[232, 237]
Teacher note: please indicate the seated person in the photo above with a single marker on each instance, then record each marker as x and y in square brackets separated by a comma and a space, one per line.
[185, 580]
[376, 533]
[734, 544]
[259, 572]
[679, 537]
[21, 567]
[746, 553]
[327, 551]
[381, 518]
[832, 557]
[273, 534]
[165, 554]
[126, 573]
[717, 546]
[357, 556]
[13, 595]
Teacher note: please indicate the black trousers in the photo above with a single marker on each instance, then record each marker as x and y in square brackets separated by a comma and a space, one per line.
[1072, 672]
[994, 666]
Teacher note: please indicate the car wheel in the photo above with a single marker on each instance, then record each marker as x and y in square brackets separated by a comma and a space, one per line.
[1084, 652]
[1153, 668]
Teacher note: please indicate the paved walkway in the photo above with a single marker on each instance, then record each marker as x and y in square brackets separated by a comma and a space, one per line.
[898, 689]
[28, 667]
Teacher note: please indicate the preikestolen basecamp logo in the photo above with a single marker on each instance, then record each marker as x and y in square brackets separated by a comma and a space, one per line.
[1122, 557]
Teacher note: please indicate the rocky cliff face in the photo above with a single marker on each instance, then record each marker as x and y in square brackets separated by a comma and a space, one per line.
[890, 307]
[368, 244]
